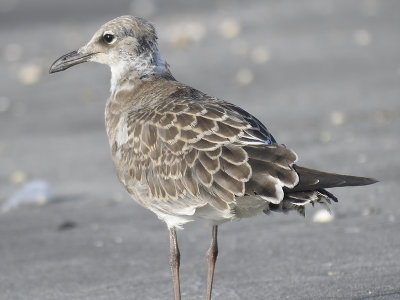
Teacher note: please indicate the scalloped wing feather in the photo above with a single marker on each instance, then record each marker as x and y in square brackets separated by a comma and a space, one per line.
[183, 148]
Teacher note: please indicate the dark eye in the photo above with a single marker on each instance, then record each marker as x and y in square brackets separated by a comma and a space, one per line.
[108, 38]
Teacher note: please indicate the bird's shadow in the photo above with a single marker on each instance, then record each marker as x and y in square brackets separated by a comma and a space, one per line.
[57, 199]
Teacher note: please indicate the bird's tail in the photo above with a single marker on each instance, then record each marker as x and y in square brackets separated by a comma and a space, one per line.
[310, 179]
[311, 189]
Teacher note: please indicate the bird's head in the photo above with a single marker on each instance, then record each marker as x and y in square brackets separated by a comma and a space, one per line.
[126, 43]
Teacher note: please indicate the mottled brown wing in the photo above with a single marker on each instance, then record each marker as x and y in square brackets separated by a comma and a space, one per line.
[210, 150]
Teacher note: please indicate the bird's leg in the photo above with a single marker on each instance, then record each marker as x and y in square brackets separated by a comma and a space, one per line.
[174, 262]
[212, 254]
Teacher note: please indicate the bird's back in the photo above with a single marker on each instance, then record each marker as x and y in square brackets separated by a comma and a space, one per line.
[181, 152]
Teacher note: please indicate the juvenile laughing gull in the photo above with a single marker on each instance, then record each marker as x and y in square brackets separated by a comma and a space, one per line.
[185, 155]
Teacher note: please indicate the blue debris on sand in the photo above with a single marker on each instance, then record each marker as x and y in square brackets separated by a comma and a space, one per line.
[37, 192]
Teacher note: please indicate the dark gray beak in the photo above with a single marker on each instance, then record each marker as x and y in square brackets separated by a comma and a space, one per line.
[68, 60]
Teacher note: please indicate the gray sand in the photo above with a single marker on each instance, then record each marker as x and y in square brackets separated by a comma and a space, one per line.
[324, 76]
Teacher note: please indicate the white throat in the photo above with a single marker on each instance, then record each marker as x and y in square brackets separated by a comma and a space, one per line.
[137, 67]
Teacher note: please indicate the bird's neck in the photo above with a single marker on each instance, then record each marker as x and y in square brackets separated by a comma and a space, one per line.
[137, 68]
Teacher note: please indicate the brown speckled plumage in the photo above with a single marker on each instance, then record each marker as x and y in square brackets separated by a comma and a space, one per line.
[189, 149]
[185, 155]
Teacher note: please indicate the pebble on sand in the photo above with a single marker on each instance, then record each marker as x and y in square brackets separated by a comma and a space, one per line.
[18, 177]
[244, 77]
[260, 55]
[29, 74]
[230, 28]
[325, 137]
[37, 192]
[337, 118]
[362, 37]
[323, 216]
[184, 34]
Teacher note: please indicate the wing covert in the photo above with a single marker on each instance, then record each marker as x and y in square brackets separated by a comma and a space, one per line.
[206, 151]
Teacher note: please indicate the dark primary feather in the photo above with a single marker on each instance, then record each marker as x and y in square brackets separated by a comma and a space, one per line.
[310, 179]
[311, 188]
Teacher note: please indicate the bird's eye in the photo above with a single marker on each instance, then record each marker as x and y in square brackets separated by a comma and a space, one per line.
[109, 38]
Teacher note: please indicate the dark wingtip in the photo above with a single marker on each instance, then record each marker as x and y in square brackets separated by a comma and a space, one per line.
[357, 181]
[312, 179]
[368, 181]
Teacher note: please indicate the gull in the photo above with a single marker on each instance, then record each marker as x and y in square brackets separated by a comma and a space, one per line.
[185, 155]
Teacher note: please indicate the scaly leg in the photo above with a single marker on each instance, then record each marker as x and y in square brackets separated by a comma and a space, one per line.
[212, 254]
[174, 262]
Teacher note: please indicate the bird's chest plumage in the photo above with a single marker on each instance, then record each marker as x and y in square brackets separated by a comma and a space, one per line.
[124, 158]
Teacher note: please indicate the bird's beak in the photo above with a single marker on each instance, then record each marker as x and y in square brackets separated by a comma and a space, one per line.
[68, 60]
